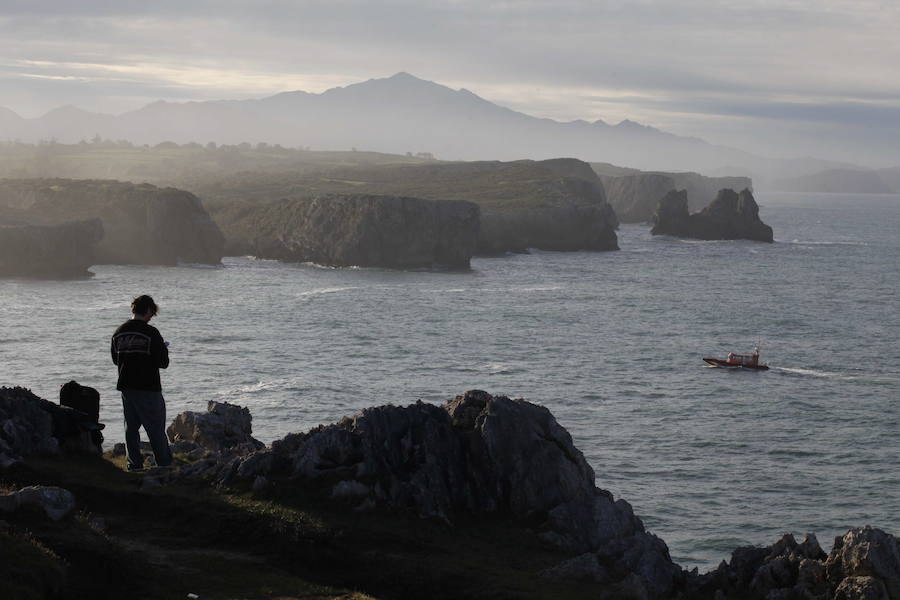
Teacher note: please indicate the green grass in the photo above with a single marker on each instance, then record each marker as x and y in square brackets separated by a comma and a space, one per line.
[29, 570]
[292, 541]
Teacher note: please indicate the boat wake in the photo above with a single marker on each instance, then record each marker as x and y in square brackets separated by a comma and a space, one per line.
[859, 377]
[804, 372]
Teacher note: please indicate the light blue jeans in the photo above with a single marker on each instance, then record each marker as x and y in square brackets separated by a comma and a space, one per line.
[148, 409]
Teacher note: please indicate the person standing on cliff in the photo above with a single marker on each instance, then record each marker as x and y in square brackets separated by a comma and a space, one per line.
[138, 350]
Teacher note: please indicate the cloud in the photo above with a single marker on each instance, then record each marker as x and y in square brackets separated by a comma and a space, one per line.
[672, 63]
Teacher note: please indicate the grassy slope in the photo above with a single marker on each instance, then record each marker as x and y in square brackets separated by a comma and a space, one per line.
[165, 165]
[290, 542]
[493, 185]
[229, 174]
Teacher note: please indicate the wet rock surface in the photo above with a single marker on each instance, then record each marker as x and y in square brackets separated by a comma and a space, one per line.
[731, 216]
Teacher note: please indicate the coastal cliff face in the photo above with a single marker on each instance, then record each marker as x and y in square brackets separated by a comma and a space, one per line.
[635, 196]
[731, 216]
[57, 251]
[356, 230]
[141, 224]
[572, 213]
[554, 204]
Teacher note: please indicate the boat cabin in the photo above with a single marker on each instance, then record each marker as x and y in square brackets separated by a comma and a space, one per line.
[749, 360]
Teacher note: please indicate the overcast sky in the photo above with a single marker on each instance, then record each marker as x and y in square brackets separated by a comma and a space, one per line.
[777, 77]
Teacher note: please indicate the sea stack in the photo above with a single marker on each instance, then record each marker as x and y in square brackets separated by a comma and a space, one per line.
[731, 216]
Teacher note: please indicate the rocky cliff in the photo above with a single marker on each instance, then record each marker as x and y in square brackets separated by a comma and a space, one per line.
[477, 455]
[356, 230]
[731, 216]
[57, 251]
[634, 196]
[142, 224]
[864, 564]
[554, 204]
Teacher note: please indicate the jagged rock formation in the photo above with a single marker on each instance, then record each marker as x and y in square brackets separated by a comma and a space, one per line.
[554, 204]
[864, 564]
[142, 224]
[59, 251]
[731, 216]
[357, 230]
[31, 425]
[634, 196]
[477, 454]
[221, 428]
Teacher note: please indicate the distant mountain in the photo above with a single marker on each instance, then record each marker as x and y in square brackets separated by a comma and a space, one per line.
[835, 181]
[402, 114]
[891, 177]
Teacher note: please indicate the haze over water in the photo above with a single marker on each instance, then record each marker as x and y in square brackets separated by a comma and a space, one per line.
[610, 342]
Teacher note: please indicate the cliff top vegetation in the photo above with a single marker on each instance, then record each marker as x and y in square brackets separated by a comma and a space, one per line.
[190, 538]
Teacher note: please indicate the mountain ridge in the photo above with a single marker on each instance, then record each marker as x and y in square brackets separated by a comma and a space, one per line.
[400, 114]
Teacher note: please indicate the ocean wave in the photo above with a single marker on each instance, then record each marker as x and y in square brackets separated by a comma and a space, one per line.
[331, 267]
[189, 265]
[824, 243]
[538, 288]
[278, 384]
[326, 290]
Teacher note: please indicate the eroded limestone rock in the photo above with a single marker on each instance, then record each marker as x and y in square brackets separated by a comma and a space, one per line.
[864, 564]
[224, 427]
[731, 216]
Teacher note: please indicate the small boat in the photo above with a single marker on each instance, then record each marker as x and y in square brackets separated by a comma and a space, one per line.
[739, 361]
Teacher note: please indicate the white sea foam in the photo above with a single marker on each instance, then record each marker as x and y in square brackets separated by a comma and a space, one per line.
[825, 242]
[326, 290]
[806, 372]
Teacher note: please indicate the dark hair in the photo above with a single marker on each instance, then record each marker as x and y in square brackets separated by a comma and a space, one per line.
[142, 304]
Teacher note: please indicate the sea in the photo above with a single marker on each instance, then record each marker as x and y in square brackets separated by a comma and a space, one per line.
[610, 342]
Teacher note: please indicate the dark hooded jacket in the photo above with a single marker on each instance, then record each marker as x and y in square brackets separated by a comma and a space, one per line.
[139, 351]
